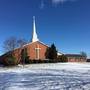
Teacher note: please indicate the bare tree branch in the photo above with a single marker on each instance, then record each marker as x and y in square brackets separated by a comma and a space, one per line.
[10, 44]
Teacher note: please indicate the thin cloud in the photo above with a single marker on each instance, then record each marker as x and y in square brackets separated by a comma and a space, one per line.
[42, 4]
[53, 2]
[61, 1]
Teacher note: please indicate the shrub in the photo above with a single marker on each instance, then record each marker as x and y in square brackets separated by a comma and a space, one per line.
[10, 61]
[27, 61]
[62, 58]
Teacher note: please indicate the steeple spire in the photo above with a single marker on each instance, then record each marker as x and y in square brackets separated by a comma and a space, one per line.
[34, 36]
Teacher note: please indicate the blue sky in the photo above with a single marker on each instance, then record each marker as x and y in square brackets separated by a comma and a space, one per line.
[63, 22]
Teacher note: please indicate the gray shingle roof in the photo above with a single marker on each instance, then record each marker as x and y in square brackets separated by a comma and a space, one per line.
[74, 55]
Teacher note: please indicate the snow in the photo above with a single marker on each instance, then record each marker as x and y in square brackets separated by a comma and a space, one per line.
[58, 76]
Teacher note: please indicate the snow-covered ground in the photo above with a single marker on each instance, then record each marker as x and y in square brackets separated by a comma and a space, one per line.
[59, 76]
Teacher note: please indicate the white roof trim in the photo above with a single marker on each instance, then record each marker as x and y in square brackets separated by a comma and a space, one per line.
[34, 42]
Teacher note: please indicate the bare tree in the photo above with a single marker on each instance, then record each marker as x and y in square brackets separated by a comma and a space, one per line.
[10, 44]
[21, 42]
[83, 53]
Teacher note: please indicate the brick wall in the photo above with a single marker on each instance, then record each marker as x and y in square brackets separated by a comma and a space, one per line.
[31, 49]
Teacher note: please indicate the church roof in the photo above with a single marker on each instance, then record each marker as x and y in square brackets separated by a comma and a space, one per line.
[35, 42]
[59, 53]
[74, 55]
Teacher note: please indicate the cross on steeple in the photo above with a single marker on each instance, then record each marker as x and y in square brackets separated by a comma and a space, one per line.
[34, 36]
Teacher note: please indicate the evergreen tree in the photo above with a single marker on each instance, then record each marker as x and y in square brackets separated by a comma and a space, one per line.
[24, 56]
[51, 52]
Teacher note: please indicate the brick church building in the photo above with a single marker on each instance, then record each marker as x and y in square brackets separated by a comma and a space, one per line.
[36, 50]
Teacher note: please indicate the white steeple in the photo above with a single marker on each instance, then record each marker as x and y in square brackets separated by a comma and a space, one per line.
[34, 36]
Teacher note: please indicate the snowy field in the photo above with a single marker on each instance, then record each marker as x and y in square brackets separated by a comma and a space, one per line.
[59, 76]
